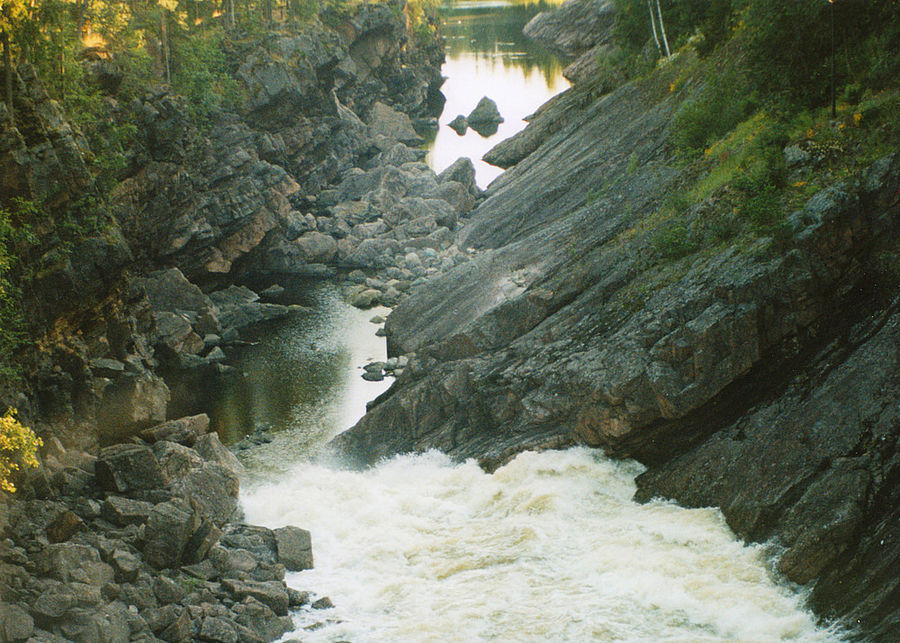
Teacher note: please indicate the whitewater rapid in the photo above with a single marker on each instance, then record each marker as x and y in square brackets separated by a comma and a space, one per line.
[548, 548]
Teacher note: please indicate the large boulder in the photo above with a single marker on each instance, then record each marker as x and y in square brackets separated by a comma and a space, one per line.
[169, 290]
[485, 113]
[129, 404]
[294, 547]
[169, 529]
[122, 468]
[388, 122]
[186, 430]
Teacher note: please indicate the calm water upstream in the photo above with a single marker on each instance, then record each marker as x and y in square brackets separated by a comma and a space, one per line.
[487, 55]
[548, 548]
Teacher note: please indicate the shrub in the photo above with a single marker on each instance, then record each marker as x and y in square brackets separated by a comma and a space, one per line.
[18, 449]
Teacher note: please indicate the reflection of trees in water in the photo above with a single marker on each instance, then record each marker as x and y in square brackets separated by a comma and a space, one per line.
[494, 34]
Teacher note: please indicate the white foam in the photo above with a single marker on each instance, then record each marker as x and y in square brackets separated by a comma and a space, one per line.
[550, 547]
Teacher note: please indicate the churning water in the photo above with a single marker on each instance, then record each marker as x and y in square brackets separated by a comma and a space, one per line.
[548, 548]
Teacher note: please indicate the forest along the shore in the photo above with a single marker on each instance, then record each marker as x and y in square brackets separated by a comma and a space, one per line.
[691, 260]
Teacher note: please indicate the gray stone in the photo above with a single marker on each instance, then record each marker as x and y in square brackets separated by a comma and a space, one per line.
[128, 467]
[394, 125]
[125, 511]
[211, 449]
[15, 623]
[213, 489]
[217, 630]
[485, 113]
[459, 124]
[126, 566]
[272, 594]
[365, 298]
[176, 460]
[169, 528]
[183, 431]
[294, 548]
[71, 562]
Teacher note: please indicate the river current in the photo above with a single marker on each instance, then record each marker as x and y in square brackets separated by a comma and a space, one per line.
[418, 548]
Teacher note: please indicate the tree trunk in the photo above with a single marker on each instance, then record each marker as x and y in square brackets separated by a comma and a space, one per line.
[164, 31]
[662, 28]
[653, 27]
[7, 72]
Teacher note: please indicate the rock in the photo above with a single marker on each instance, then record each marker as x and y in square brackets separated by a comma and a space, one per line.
[130, 404]
[323, 603]
[212, 489]
[15, 623]
[169, 528]
[202, 541]
[392, 124]
[211, 449]
[294, 548]
[176, 460]
[272, 594]
[167, 591]
[124, 511]
[184, 431]
[365, 298]
[171, 623]
[129, 467]
[170, 291]
[64, 527]
[272, 292]
[260, 619]
[218, 630]
[485, 113]
[574, 27]
[459, 124]
[126, 566]
[316, 247]
[70, 562]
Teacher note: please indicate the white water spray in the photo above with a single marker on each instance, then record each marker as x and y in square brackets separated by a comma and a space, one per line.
[550, 547]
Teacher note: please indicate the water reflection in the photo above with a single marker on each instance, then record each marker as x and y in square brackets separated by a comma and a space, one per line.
[303, 378]
[487, 55]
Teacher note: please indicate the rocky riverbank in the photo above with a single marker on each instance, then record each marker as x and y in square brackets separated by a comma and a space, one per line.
[143, 542]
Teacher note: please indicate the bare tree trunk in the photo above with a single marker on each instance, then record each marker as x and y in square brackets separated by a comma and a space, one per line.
[653, 26]
[7, 72]
[662, 28]
[164, 31]
[230, 13]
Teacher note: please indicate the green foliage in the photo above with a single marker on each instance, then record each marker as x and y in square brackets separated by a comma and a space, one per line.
[790, 49]
[673, 240]
[725, 101]
[13, 234]
[200, 73]
[709, 19]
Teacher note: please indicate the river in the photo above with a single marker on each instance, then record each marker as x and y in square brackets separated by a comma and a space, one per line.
[419, 548]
